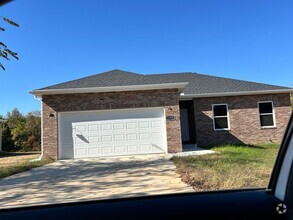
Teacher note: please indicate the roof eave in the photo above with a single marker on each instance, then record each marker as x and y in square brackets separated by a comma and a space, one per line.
[180, 86]
[241, 93]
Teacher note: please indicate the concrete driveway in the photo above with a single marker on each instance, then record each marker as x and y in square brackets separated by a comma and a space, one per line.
[92, 179]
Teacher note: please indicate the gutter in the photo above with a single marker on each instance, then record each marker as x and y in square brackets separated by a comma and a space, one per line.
[243, 93]
[179, 86]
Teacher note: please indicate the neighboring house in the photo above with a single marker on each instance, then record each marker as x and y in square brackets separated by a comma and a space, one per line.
[122, 113]
[1, 122]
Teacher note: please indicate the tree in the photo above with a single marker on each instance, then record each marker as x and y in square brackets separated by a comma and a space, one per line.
[5, 52]
[20, 136]
[14, 118]
[15, 131]
[33, 124]
[22, 133]
[7, 142]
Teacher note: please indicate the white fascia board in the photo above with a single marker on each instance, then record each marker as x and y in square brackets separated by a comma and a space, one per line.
[179, 86]
[260, 92]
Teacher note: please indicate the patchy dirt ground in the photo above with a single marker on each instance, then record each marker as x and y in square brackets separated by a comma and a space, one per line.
[10, 159]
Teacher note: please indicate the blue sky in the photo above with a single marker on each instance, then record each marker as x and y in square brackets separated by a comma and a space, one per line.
[63, 40]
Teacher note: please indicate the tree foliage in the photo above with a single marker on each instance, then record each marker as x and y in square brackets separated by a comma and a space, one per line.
[22, 133]
[5, 52]
[33, 123]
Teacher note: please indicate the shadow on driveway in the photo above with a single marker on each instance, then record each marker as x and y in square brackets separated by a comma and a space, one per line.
[91, 179]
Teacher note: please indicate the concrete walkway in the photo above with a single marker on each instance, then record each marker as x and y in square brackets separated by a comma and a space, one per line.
[92, 179]
[193, 150]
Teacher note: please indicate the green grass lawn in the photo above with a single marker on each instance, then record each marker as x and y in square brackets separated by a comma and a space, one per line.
[12, 163]
[234, 166]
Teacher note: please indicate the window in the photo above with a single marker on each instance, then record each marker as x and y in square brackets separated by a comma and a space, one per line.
[266, 114]
[221, 117]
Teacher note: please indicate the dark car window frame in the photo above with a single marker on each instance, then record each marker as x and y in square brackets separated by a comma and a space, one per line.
[281, 156]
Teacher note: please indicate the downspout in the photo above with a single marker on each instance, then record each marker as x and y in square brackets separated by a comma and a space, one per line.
[42, 149]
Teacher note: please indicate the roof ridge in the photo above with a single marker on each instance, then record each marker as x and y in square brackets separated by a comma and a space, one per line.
[126, 72]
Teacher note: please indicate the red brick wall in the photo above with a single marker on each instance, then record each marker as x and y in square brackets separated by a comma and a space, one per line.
[52, 104]
[244, 120]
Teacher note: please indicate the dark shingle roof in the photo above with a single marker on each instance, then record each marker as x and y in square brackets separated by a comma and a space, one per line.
[197, 83]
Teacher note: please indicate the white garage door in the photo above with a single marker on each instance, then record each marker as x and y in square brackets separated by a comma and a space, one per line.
[112, 133]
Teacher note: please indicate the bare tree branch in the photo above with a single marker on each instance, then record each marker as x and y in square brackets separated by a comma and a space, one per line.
[5, 52]
[10, 22]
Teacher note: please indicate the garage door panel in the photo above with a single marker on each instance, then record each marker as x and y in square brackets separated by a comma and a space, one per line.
[119, 126]
[157, 148]
[93, 128]
[132, 148]
[119, 150]
[157, 136]
[94, 134]
[106, 127]
[144, 136]
[80, 139]
[143, 124]
[107, 150]
[95, 151]
[146, 147]
[120, 137]
[94, 139]
[81, 128]
[131, 125]
[131, 137]
[106, 138]
[156, 124]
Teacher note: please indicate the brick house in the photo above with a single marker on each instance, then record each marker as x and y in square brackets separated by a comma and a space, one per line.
[122, 113]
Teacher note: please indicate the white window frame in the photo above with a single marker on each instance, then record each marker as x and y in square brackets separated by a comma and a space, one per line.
[228, 117]
[273, 113]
